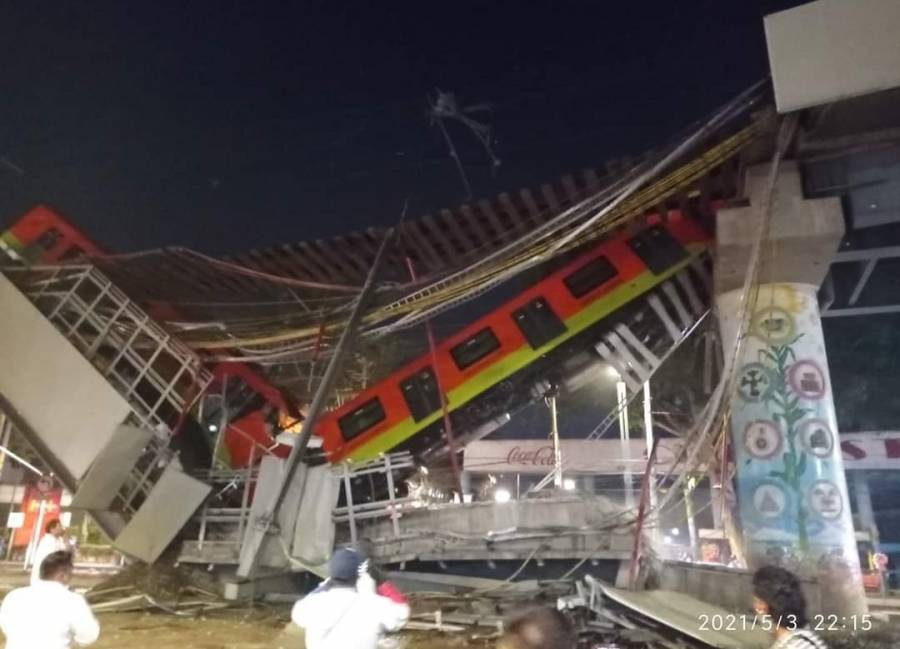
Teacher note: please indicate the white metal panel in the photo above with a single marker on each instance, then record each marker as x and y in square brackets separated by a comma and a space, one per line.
[112, 466]
[271, 468]
[829, 50]
[685, 614]
[313, 540]
[174, 498]
[58, 393]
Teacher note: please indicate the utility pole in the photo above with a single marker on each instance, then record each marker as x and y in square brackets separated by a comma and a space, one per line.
[689, 486]
[259, 527]
[442, 395]
[651, 473]
[554, 434]
[625, 440]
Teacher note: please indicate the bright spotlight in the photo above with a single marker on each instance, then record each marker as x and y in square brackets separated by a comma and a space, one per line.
[612, 372]
[213, 428]
[569, 484]
[675, 531]
[502, 496]
[667, 539]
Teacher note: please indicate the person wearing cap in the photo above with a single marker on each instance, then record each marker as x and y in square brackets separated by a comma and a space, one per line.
[348, 610]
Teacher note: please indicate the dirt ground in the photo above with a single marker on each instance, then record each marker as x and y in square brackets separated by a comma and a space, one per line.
[239, 629]
[262, 628]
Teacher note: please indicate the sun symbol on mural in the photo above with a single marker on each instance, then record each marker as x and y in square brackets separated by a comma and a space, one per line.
[773, 325]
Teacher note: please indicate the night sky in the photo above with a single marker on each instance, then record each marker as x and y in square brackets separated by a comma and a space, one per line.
[223, 126]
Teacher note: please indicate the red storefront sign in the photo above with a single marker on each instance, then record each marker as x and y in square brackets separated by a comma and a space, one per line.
[31, 507]
[871, 451]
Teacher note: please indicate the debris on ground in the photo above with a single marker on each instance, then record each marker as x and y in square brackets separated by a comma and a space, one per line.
[178, 590]
[881, 636]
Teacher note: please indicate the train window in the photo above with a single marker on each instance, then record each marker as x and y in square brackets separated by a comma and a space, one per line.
[658, 249]
[72, 252]
[470, 351]
[593, 274]
[538, 323]
[48, 238]
[421, 393]
[362, 419]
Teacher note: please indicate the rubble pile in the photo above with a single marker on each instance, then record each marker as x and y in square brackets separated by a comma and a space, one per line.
[179, 590]
[881, 636]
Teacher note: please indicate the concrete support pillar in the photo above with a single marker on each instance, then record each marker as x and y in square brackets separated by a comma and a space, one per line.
[791, 487]
[864, 505]
[715, 503]
[587, 484]
[465, 481]
[691, 517]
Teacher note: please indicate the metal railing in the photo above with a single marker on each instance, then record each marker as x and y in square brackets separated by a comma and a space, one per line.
[353, 512]
[156, 374]
[222, 525]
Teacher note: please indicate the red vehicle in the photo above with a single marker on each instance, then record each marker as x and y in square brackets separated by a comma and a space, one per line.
[43, 236]
[494, 359]
[502, 354]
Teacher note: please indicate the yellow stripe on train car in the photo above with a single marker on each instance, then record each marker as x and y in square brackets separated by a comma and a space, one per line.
[515, 361]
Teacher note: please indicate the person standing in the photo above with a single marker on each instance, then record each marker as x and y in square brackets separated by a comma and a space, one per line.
[47, 615]
[778, 596]
[54, 540]
[348, 610]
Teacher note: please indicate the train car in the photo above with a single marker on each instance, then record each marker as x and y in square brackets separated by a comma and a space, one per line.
[494, 361]
[42, 236]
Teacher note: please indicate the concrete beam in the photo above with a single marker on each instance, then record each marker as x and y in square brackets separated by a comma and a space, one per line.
[558, 528]
[825, 51]
[803, 236]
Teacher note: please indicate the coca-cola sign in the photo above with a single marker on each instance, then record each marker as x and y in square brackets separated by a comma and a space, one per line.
[541, 456]
[578, 455]
[612, 456]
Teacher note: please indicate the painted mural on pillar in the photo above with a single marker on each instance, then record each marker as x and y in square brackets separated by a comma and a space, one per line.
[792, 491]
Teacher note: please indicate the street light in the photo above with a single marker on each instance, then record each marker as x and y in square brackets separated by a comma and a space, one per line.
[569, 484]
[502, 496]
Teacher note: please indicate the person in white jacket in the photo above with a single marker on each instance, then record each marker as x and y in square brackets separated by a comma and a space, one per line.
[348, 610]
[48, 615]
[54, 540]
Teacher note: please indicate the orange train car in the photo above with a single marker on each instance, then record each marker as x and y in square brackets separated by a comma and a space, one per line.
[43, 236]
[501, 350]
